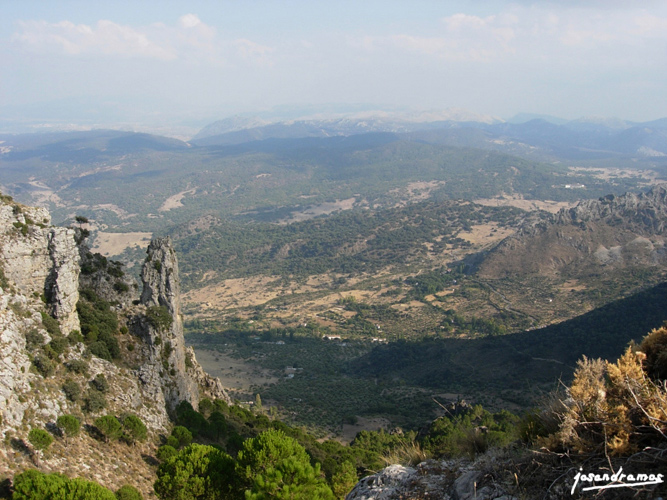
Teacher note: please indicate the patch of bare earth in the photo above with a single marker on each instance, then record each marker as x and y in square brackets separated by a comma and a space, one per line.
[486, 234]
[114, 243]
[416, 191]
[608, 174]
[233, 293]
[520, 202]
[321, 209]
[236, 375]
[175, 201]
[350, 431]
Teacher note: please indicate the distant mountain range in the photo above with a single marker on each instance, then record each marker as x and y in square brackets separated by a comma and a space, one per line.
[539, 137]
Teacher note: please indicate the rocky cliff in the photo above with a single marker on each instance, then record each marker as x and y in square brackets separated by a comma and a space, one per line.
[181, 378]
[436, 480]
[50, 360]
[41, 260]
[611, 232]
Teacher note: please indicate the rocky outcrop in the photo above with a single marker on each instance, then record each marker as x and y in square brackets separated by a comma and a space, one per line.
[612, 232]
[437, 480]
[170, 365]
[16, 317]
[41, 260]
[643, 211]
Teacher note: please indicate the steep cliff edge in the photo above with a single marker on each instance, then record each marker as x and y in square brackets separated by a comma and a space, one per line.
[41, 259]
[182, 378]
[75, 339]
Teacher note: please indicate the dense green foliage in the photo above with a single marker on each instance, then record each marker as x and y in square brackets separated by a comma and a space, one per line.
[134, 429]
[40, 439]
[69, 425]
[99, 325]
[197, 471]
[128, 492]
[109, 427]
[273, 465]
[159, 317]
[35, 485]
[348, 242]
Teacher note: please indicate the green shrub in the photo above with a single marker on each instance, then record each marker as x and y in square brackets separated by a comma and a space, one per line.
[100, 383]
[69, 424]
[79, 366]
[134, 429]
[159, 317]
[35, 485]
[100, 350]
[58, 345]
[33, 338]
[109, 427]
[183, 435]
[197, 471]
[273, 463]
[165, 452]
[40, 439]
[121, 287]
[72, 390]
[51, 325]
[74, 337]
[94, 401]
[44, 365]
[128, 492]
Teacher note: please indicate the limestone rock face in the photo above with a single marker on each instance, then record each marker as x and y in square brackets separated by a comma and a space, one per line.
[180, 378]
[41, 260]
[62, 283]
[438, 480]
[644, 211]
[15, 319]
[613, 231]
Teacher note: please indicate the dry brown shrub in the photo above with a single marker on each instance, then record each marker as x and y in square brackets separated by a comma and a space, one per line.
[614, 408]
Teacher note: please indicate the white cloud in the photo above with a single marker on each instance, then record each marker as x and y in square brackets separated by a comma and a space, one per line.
[189, 40]
[105, 38]
[543, 35]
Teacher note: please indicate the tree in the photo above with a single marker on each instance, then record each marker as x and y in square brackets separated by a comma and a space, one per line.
[217, 425]
[128, 492]
[110, 427]
[198, 471]
[273, 465]
[40, 439]
[134, 429]
[165, 452]
[258, 403]
[35, 485]
[183, 435]
[344, 479]
[69, 424]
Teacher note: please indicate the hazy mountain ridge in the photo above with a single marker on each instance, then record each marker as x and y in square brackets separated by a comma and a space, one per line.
[582, 139]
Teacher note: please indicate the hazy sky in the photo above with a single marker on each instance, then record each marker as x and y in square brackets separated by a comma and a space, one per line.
[199, 60]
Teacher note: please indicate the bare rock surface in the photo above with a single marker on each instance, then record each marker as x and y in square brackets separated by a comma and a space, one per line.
[433, 479]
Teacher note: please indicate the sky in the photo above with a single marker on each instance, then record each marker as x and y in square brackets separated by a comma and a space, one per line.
[175, 63]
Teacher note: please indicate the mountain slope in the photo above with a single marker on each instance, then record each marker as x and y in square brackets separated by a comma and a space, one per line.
[66, 349]
[593, 237]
